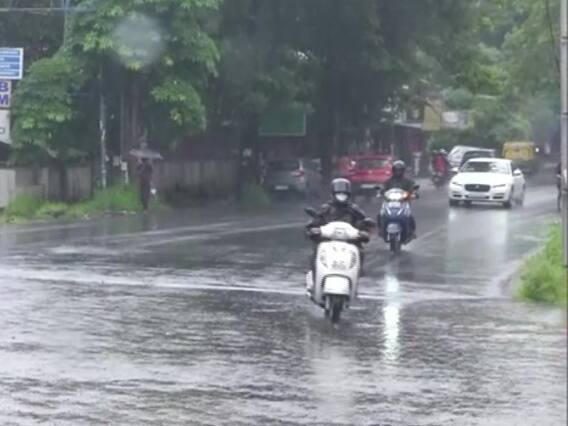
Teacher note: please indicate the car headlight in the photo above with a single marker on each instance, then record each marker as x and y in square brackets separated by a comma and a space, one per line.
[459, 185]
[504, 185]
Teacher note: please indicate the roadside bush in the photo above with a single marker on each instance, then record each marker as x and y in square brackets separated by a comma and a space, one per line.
[52, 210]
[24, 206]
[123, 198]
[544, 278]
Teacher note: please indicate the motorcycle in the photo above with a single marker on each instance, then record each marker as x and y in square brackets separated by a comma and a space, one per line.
[438, 179]
[337, 266]
[395, 215]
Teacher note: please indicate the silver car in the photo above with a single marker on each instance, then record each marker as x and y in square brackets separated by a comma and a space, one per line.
[301, 176]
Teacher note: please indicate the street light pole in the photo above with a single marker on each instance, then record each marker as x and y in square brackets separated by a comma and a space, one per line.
[564, 122]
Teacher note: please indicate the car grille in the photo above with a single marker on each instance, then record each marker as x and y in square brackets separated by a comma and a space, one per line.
[477, 188]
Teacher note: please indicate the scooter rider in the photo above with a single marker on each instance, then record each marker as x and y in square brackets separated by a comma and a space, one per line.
[440, 162]
[399, 180]
[338, 209]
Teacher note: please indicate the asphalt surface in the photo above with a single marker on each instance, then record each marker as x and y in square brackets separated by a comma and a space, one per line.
[200, 318]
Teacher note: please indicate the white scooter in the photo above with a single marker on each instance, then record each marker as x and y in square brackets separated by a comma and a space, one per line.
[337, 266]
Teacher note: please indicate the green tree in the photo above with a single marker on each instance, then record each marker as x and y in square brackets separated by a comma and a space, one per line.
[49, 116]
[154, 57]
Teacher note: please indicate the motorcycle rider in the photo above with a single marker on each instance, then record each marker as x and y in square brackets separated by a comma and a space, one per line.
[339, 209]
[399, 180]
[440, 162]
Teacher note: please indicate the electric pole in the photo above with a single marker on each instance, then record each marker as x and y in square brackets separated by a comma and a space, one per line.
[564, 122]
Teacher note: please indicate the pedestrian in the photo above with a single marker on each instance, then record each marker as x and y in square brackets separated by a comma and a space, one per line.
[145, 171]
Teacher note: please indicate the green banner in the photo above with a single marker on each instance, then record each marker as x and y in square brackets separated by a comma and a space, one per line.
[287, 121]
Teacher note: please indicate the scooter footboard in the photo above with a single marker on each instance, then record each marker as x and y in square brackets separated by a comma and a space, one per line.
[337, 285]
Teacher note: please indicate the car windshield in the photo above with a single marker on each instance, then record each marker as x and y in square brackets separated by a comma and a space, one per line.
[372, 163]
[284, 166]
[485, 167]
[477, 154]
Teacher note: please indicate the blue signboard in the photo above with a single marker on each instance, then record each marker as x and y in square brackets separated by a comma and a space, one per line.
[11, 63]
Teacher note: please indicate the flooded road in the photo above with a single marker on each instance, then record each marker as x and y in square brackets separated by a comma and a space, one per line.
[201, 319]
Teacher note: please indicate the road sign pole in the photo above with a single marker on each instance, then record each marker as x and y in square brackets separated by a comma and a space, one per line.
[564, 123]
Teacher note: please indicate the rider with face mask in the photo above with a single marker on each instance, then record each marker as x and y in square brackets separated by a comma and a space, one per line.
[339, 209]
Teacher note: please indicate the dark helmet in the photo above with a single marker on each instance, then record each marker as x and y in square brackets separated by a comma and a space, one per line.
[398, 169]
[341, 190]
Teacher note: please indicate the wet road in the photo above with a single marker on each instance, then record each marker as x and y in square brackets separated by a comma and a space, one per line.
[200, 319]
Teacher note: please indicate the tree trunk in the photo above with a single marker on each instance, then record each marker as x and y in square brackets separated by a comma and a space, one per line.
[248, 164]
[63, 187]
[103, 131]
[130, 123]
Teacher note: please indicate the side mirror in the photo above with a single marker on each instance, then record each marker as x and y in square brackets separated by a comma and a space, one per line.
[517, 172]
[311, 212]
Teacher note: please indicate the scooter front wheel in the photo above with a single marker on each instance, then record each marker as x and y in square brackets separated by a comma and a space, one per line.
[394, 245]
[335, 308]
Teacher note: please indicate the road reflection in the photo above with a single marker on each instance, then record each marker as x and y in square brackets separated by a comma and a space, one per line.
[391, 318]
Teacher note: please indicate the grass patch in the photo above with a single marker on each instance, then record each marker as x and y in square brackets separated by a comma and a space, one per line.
[23, 206]
[117, 199]
[543, 277]
[52, 211]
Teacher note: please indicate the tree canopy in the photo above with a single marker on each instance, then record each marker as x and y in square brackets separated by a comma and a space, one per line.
[172, 67]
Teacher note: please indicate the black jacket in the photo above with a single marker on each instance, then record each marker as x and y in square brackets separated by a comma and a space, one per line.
[403, 183]
[332, 212]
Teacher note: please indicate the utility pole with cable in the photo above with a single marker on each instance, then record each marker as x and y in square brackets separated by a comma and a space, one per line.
[564, 122]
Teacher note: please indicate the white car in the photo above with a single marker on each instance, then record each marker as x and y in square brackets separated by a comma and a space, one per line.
[488, 180]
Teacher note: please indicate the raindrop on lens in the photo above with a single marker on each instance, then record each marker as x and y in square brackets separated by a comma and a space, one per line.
[138, 41]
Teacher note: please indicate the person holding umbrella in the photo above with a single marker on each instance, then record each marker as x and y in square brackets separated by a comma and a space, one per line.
[145, 172]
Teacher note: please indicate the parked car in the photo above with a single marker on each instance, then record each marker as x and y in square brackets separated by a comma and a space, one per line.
[300, 176]
[458, 152]
[488, 180]
[368, 171]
